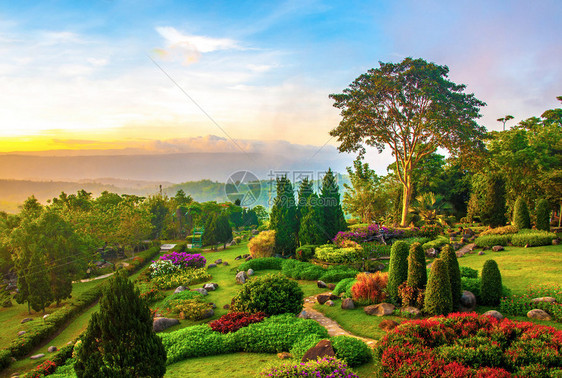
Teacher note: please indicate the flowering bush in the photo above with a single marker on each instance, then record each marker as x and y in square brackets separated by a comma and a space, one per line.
[323, 367]
[162, 268]
[46, 368]
[370, 288]
[233, 321]
[519, 305]
[469, 345]
[185, 260]
[181, 278]
[366, 234]
[150, 293]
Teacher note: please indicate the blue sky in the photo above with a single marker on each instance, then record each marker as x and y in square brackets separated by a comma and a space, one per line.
[78, 74]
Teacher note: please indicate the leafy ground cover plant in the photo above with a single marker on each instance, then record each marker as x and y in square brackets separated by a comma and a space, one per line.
[233, 321]
[505, 230]
[344, 286]
[185, 260]
[519, 305]
[469, 345]
[323, 367]
[181, 277]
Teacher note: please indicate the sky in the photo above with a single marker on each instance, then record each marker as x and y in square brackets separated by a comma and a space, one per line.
[175, 76]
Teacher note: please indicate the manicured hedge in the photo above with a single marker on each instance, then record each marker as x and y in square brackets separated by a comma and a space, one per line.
[492, 240]
[353, 351]
[5, 358]
[262, 264]
[532, 238]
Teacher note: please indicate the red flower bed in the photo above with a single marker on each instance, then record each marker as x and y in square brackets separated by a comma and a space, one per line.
[470, 345]
[233, 321]
[46, 368]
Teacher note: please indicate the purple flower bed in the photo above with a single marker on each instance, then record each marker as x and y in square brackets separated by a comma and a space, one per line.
[366, 234]
[185, 260]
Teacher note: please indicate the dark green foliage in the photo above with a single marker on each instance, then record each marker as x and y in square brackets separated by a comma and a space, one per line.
[398, 270]
[493, 213]
[417, 272]
[491, 284]
[283, 219]
[211, 233]
[473, 285]
[438, 299]
[353, 351]
[273, 294]
[450, 259]
[311, 225]
[63, 354]
[119, 341]
[40, 294]
[542, 213]
[333, 217]
[305, 252]
[465, 271]
[262, 263]
[344, 286]
[300, 347]
[5, 358]
[521, 217]
[305, 192]
[311, 272]
[224, 230]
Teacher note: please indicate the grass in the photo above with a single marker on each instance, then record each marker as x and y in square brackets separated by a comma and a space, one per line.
[227, 365]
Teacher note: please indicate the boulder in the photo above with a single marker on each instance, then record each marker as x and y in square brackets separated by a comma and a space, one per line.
[494, 314]
[555, 241]
[322, 349]
[225, 263]
[238, 258]
[209, 287]
[52, 349]
[380, 309]
[226, 306]
[497, 248]
[329, 303]
[20, 333]
[538, 314]
[468, 301]
[284, 355]
[248, 258]
[410, 312]
[321, 284]
[241, 277]
[179, 289]
[323, 298]
[331, 286]
[543, 299]
[218, 262]
[388, 325]
[202, 291]
[303, 315]
[211, 266]
[160, 324]
[347, 304]
[250, 272]
[37, 356]
[26, 320]
[481, 253]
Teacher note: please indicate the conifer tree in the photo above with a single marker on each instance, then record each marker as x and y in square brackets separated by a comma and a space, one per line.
[542, 214]
[417, 272]
[224, 230]
[438, 299]
[398, 269]
[494, 202]
[491, 284]
[310, 232]
[334, 219]
[283, 219]
[521, 217]
[119, 341]
[305, 192]
[450, 259]
[210, 234]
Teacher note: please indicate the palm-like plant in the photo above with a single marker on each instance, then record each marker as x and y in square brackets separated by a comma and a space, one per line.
[431, 209]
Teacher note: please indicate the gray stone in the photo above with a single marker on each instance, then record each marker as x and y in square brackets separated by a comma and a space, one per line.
[543, 299]
[226, 306]
[497, 248]
[211, 266]
[329, 303]
[238, 258]
[213, 305]
[37, 356]
[225, 263]
[26, 320]
[468, 301]
[481, 253]
[202, 291]
[381, 309]
[52, 349]
[179, 289]
[347, 304]
[494, 314]
[160, 324]
[388, 325]
[241, 277]
[250, 272]
[538, 314]
[218, 262]
[322, 349]
[248, 258]
[331, 286]
[411, 312]
[209, 287]
[323, 298]
[20, 333]
[303, 314]
[209, 313]
[321, 284]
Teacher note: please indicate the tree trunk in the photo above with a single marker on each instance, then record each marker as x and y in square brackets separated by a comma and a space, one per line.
[406, 196]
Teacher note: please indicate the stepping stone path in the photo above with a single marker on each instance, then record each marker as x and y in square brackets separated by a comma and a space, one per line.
[333, 328]
[469, 248]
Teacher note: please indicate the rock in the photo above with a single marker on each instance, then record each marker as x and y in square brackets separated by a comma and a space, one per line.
[469, 232]
[211, 266]
[238, 258]
[26, 320]
[380, 309]
[37, 356]
[468, 301]
[209, 287]
[538, 314]
[52, 349]
[481, 253]
[464, 240]
[46, 316]
[347, 304]
[431, 252]
[179, 289]
[323, 298]
[248, 258]
[226, 306]
[303, 315]
[322, 349]
[213, 305]
[241, 277]
[555, 241]
[497, 248]
[388, 324]
[321, 284]
[543, 299]
[494, 314]
[410, 312]
[202, 291]
[250, 272]
[331, 286]
[246, 255]
[329, 303]
[20, 333]
[218, 262]
[160, 324]
[225, 263]
[209, 313]
[457, 246]
[284, 355]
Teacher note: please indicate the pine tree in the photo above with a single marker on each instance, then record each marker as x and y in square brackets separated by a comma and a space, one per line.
[542, 214]
[521, 217]
[210, 234]
[398, 270]
[283, 218]
[224, 230]
[494, 202]
[305, 192]
[417, 272]
[119, 341]
[438, 299]
[334, 219]
[450, 259]
[491, 284]
[310, 232]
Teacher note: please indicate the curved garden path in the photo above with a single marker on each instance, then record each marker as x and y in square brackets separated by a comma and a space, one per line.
[333, 328]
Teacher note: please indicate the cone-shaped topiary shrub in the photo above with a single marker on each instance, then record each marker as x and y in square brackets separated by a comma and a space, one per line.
[543, 215]
[417, 272]
[491, 284]
[521, 217]
[398, 270]
[438, 299]
[450, 258]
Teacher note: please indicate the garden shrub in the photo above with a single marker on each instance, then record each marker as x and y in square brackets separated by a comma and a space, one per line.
[323, 367]
[262, 263]
[185, 260]
[436, 243]
[5, 358]
[332, 254]
[519, 305]
[469, 345]
[272, 294]
[370, 288]
[521, 217]
[505, 230]
[410, 296]
[417, 274]
[351, 350]
[181, 278]
[375, 250]
[182, 295]
[465, 271]
[473, 285]
[491, 284]
[492, 240]
[233, 321]
[262, 245]
[542, 215]
[192, 309]
[47, 367]
[301, 270]
[305, 252]
[398, 269]
[300, 347]
[150, 293]
[338, 273]
[63, 354]
[532, 238]
[438, 297]
[450, 259]
[419, 239]
[344, 286]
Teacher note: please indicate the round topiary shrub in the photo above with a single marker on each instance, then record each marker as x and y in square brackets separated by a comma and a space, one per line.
[353, 351]
[417, 273]
[398, 270]
[521, 217]
[450, 259]
[273, 294]
[543, 215]
[438, 299]
[491, 284]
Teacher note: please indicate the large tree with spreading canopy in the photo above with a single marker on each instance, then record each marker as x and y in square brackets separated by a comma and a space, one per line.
[412, 108]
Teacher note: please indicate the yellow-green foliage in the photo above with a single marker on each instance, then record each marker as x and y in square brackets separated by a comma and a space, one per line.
[505, 230]
[532, 238]
[263, 244]
[331, 253]
[182, 277]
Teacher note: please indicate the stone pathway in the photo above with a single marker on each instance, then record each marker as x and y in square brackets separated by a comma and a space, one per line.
[96, 278]
[333, 328]
[469, 248]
